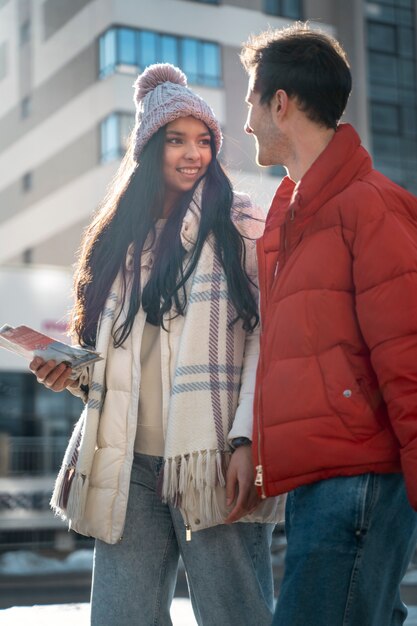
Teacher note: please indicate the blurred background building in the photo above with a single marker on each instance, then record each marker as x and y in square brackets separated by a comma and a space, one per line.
[66, 74]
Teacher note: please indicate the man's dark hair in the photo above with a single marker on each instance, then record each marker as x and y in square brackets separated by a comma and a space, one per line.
[307, 64]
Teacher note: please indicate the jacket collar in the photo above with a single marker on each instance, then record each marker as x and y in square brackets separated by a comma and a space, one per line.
[341, 162]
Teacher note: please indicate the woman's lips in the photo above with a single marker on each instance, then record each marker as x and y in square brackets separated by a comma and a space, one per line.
[188, 172]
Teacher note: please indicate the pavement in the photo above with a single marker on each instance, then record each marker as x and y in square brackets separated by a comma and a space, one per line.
[70, 614]
[79, 614]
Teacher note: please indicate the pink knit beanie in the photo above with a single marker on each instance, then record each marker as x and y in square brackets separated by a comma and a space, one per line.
[161, 96]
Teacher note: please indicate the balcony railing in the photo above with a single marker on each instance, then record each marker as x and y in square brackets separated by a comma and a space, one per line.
[31, 455]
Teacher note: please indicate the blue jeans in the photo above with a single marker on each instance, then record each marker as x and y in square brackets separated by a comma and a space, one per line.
[349, 544]
[228, 568]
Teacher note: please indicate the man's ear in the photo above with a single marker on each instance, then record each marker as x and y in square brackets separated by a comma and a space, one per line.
[280, 102]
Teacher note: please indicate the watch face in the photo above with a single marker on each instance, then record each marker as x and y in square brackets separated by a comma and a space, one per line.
[237, 442]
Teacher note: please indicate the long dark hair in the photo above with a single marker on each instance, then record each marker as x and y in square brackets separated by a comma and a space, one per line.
[128, 215]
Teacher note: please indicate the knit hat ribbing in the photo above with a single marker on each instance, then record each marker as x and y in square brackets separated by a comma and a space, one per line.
[162, 96]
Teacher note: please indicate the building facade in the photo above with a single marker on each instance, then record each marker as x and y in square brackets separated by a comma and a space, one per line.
[66, 108]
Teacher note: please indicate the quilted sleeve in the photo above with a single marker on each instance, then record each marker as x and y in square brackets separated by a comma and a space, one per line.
[385, 277]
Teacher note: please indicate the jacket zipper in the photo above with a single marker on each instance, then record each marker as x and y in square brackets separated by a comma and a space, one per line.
[259, 479]
[259, 469]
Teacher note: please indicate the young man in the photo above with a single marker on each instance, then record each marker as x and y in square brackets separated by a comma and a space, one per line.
[336, 400]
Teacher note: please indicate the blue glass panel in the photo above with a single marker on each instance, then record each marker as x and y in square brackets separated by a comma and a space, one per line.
[126, 124]
[387, 148]
[148, 48]
[109, 138]
[405, 16]
[211, 65]
[381, 37]
[407, 73]
[384, 93]
[385, 117]
[407, 96]
[380, 13]
[277, 170]
[107, 52]
[169, 49]
[272, 7]
[189, 59]
[409, 120]
[409, 150]
[291, 8]
[383, 68]
[126, 47]
[406, 47]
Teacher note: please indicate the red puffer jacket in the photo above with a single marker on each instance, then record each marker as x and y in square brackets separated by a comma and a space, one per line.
[337, 377]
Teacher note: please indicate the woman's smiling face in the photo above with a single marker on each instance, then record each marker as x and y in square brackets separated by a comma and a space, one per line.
[187, 155]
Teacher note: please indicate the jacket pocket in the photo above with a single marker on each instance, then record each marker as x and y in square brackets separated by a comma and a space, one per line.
[345, 394]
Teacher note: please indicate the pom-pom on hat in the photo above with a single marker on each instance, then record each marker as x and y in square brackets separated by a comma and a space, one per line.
[161, 96]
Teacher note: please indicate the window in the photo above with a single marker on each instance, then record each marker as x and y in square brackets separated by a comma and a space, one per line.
[127, 46]
[277, 170]
[129, 50]
[25, 107]
[107, 53]
[24, 32]
[189, 56]
[27, 181]
[382, 37]
[31, 419]
[385, 117]
[169, 49]
[284, 8]
[114, 132]
[392, 88]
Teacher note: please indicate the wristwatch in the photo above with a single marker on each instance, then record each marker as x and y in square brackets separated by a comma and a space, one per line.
[238, 442]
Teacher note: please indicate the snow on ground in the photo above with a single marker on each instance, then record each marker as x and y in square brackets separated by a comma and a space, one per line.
[24, 563]
[70, 614]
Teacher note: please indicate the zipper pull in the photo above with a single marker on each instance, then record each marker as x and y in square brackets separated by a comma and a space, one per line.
[259, 481]
[187, 532]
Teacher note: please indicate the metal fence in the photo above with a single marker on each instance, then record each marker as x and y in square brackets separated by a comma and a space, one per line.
[32, 455]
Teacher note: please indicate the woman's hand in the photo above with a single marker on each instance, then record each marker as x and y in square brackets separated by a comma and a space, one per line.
[240, 484]
[53, 376]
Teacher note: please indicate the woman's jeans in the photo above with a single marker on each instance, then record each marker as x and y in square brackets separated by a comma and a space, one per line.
[228, 568]
[349, 543]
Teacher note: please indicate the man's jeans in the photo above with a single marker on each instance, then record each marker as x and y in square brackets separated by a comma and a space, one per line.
[349, 543]
[228, 567]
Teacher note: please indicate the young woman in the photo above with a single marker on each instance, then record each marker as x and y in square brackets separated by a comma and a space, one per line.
[166, 292]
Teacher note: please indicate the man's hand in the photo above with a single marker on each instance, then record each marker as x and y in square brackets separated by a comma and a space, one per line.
[53, 376]
[240, 487]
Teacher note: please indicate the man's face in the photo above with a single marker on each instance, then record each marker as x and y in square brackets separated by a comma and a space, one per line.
[270, 141]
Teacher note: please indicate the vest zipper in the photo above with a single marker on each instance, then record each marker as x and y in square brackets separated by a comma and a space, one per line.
[187, 532]
[187, 526]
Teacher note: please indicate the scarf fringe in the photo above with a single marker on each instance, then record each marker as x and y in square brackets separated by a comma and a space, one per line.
[77, 497]
[56, 502]
[70, 494]
[190, 481]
